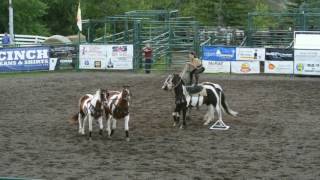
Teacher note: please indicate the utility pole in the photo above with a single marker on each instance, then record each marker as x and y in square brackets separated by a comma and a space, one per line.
[220, 14]
[11, 21]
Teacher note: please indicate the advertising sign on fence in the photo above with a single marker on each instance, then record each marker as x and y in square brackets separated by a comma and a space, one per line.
[307, 67]
[306, 55]
[216, 66]
[92, 56]
[66, 56]
[245, 67]
[278, 67]
[119, 57]
[24, 59]
[219, 53]
[277, 54]
[106, 57]
[257, 54]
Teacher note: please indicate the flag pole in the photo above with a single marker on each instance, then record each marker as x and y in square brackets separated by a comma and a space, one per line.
[79, 26]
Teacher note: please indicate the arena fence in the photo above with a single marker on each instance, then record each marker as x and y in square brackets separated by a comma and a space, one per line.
[216, 59]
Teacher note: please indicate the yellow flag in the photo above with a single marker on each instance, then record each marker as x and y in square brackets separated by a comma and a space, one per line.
[79, 21]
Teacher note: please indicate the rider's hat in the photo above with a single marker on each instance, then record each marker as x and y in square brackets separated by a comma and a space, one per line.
[193, 53]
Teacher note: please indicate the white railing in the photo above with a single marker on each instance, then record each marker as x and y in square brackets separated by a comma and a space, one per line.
[26, 40]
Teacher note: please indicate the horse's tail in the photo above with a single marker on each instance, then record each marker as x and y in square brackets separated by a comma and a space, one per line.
[74, 119]
[225, 106]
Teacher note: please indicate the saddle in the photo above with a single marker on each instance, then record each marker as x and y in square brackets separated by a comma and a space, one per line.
[196, 90]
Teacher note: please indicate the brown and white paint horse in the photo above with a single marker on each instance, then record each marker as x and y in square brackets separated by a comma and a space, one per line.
[117, 107]
[90, 109]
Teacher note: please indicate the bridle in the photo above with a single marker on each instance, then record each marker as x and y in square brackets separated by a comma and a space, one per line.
[178, 83]
[174, 85]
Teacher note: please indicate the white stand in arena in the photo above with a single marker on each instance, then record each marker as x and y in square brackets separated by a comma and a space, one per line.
[219, 125]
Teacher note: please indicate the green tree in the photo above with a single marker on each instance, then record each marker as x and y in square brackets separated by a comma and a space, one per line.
[27, 17]
[263, 22]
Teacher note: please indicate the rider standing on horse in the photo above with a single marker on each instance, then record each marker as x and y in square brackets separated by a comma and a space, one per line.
[196, 67]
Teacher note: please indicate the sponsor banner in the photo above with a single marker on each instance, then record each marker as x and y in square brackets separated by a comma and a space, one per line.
[24, 59]
[257, 54]
[65, 54]
[216, 66]
[307, 40]
[276, 54]
[218, 53]
[106, 57]
[306, 55]
[119, 57]
[278, 67]
[307, 67]
[245, 67]
[92, 56]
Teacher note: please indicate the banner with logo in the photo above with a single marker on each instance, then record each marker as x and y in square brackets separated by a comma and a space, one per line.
[218, 53]
[118, 57]
[278, 67]
[277, 54]
[245, 67]
[24, 59]
[216, 66]
[65, 54]
[246, 54]
[306, 55]
[307, 67]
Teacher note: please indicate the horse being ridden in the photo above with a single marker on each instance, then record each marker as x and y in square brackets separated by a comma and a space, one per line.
[193, 96]
[90, 108]
[117, 107]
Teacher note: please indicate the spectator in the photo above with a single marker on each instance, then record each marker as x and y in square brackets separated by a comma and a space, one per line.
[5, 40]
[196, 67]
[147, 51]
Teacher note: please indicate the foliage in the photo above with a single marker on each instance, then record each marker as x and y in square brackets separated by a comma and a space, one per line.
[48, 17]
[261, 21]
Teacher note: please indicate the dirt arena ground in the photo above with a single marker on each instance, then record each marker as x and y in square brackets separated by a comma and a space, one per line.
[276, 135]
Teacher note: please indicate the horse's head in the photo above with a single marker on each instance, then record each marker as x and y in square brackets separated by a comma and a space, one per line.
[125, 93]
[96, 103]
[172, 81]
[104, 94]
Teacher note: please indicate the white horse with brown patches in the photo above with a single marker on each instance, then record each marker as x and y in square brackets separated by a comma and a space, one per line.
[90, 109]
[116, 108]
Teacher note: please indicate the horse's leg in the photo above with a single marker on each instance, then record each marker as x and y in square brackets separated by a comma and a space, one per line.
[176, 117]
[109, 125]
[80, 120]
[184, 112]
[126, 126]
[84, 121]
[90, 125]
[206, 116]
[210, 114]
[188, 114]
[114, 126]
[100, 125]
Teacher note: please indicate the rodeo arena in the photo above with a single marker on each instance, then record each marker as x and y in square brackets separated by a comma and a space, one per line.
[91, 107]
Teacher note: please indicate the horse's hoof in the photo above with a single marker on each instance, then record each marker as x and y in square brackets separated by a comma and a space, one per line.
[111, 133]
[174, 124]
[128, 139]
[181, 127]
[205, 124]
[100, 132]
